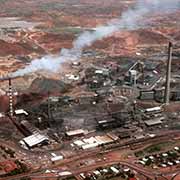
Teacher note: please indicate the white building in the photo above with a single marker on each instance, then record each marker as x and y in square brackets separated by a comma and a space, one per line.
[21, 112]
[35, 139]
[77, 132]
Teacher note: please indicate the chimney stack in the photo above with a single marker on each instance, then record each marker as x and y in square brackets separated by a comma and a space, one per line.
[10, 98]
[168, 75]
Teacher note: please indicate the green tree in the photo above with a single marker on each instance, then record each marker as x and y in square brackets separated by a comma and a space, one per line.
[25, 178]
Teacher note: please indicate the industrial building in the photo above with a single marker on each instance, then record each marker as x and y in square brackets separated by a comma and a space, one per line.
[21, 112]
[35, 140]
[95, 141]
[74, 133]
[154, 122]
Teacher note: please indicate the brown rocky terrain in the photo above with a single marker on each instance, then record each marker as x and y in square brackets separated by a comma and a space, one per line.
[60, 19]
[58, 22]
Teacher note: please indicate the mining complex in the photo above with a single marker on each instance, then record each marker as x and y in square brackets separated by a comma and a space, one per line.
[90, 90]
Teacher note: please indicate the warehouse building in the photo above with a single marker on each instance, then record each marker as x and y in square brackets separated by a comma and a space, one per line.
[154, 122]
[73, 133]
[35, 140]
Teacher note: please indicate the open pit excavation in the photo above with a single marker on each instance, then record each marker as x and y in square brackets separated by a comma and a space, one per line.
[90, 90]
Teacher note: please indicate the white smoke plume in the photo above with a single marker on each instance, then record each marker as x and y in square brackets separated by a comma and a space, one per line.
[130, 20]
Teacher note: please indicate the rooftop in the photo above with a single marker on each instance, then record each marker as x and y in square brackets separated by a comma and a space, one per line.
[154, 121]
[35, 139]
[75, 132]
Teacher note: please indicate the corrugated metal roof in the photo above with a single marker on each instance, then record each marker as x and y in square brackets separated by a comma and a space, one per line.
[154, 121]
[56, 158]
[35, 139]
[88, 146]
[158, 108]
[75, 132]
[20, 111]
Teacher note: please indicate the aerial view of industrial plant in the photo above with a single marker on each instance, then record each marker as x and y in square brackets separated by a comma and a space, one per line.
[89, 89]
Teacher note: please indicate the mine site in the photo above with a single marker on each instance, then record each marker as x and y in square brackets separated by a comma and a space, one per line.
[90, 90]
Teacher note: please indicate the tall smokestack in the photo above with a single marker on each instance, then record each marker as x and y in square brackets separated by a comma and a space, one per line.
[168, 75]
[10, 98]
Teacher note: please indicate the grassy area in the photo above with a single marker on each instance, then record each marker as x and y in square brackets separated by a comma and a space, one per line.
[70, 178]
[154, 149]
[63, 30]
[176, 127]
[52, 6]
[117, 178]
[2, 1]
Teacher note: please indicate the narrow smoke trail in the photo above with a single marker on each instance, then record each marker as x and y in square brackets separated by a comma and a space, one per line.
[130, 20]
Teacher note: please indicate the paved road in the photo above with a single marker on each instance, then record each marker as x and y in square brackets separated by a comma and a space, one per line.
[93, 153]
[143, 171]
